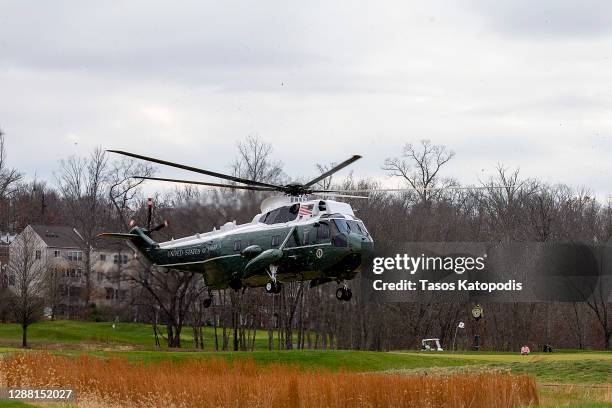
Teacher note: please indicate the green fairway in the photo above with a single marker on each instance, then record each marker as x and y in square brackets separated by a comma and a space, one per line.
[563, 355]
[14, 404]
[138, 335]
[63, 331]
[332, 359]
[561, 367]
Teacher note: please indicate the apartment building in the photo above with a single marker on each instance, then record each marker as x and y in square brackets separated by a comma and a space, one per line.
[64, 253]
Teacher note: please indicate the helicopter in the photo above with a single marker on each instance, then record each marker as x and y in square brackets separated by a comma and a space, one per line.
[301, 235]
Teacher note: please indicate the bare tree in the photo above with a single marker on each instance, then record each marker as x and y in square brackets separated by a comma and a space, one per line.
[123, 188]
[28, 270]
[255, 162]
[82, 183]
[420, 167]
[507, 207]
[173, 292]
[8, 176]
[326, 183]
[54, 288]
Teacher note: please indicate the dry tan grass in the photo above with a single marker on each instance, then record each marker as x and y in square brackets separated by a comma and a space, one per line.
[199, 383]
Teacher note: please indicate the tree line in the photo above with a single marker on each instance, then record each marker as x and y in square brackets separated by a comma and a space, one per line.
[97, 193]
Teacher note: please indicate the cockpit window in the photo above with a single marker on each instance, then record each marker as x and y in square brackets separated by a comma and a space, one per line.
[343, 227]
[363, 228]
[347, 226]
[355, 227]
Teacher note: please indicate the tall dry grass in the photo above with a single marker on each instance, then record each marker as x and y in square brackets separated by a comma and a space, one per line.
[217, 383]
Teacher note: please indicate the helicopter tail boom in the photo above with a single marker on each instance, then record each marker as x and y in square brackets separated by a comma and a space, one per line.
[117, 235]
[137, 236]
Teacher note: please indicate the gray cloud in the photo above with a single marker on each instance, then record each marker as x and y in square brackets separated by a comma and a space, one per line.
[320, 81]
[548, 18]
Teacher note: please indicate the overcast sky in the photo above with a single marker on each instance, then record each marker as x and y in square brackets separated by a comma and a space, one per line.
[523, 83]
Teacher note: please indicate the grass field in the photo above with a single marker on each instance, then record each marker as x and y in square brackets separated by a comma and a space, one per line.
[564, 377]
[12, 404]
[66, 333]
[74, 332]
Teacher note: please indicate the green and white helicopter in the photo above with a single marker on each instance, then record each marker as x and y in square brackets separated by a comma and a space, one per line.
[296, 237]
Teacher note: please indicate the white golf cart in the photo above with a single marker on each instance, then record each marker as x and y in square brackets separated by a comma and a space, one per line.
[431, 345]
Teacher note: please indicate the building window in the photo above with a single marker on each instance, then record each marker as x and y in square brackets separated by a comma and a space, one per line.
[38, 254]
[100, 276]
[11, 279]
[57, 253]
[75, 256]
[275, 240]
[237, 245]
[119, 259]
[110, 293]
[103, 257]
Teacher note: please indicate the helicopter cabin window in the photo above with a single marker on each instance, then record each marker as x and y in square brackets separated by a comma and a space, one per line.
[292, 240]
[307, 236]
[281, 215]
[237, 245]
[275, 240]
[339, 231]
[323, 231]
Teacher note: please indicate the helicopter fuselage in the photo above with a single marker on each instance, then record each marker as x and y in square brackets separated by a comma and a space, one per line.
[317, 240]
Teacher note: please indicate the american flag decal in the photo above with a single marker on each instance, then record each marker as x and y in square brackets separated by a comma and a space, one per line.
[305, 210]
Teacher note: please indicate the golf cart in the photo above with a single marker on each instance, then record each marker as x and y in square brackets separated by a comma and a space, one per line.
[431, 345]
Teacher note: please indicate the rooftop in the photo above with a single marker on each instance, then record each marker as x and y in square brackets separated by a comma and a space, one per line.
[59, 236]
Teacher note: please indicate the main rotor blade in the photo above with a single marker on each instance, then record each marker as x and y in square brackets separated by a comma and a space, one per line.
[196, 170]
[340, 195]
[204, 183]
[333, 170]
[381, 190]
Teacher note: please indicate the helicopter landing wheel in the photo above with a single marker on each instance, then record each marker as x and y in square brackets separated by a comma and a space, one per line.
[273, 287]
[344, 293]
[207, 303]
[348, 294]
[235, 284]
